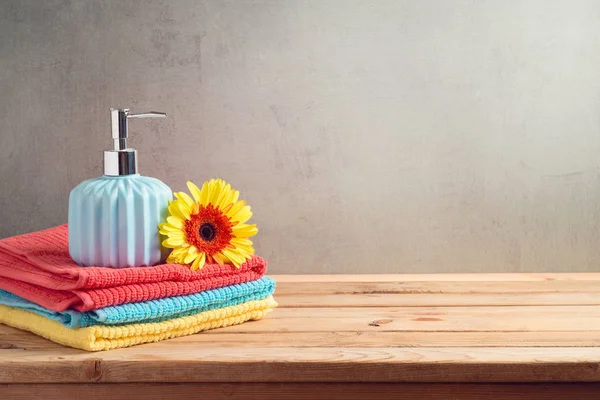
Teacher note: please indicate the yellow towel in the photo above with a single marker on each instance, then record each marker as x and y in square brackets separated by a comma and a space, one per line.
[104, 337]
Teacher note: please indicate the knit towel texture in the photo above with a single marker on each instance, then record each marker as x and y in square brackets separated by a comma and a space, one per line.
[153, 310]
[98, 337]
[37, 267]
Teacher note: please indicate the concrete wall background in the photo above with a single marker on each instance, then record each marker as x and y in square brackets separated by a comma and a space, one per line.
[369, 136]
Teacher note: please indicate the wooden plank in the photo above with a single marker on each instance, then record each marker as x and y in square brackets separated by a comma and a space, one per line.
[437, 293]
[427, 319]
[441, 287]
[538, 328]
[505, 312]
[300, 391]
[150, 363]
[473, 277]
[23, 340]
[393, 339]
[448, 319]
[17, 339]
[435, 300]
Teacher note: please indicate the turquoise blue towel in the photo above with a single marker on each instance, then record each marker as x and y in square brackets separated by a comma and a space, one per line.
[153, 310]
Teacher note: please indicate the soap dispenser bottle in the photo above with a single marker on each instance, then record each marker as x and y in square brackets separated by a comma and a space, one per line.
[113, 219]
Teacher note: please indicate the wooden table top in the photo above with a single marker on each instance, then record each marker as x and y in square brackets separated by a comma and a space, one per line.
[360, 328]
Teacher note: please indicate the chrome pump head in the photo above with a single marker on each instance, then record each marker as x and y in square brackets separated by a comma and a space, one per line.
[122, 160]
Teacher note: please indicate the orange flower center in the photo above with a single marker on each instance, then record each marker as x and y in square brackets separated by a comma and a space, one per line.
[209, 230]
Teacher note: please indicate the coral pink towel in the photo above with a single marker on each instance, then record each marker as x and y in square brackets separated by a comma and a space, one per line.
[37, 267]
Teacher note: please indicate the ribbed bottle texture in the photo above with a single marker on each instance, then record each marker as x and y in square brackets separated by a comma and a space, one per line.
[113, 221]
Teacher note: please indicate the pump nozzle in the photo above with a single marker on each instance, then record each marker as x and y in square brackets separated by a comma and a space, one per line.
[122, 160]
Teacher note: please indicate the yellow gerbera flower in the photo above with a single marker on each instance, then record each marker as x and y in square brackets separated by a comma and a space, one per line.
[210, 227]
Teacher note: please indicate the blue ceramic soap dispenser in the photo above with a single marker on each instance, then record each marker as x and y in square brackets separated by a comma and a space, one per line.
[113, 219]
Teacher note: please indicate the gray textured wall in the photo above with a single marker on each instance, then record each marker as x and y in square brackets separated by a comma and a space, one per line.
[369, 136]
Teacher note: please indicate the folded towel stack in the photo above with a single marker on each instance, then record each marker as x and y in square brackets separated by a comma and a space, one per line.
[93, 308]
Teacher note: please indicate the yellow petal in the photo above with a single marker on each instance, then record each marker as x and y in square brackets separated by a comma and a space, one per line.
[189, 258]
[185, 198]
[172, 242]
[236, 196]
[219, 258]
[242, 216]
[236, 208]
[221, 189]
[185, 209]
[175, 211]
[243, 245]
[180, 255]
[172, 259]
[228, 197]
[163, 232]
[237, 263]
[204, 193]
[215, 192]
[194, 190]
[225, 259]
[175, 222]
[179, 252]
[208, 191]
[236, 258]
[241, 242]
[244, 231]
[202, 260]
[165, 226]
[199, 262]
[176, 235]
[246, 253]
[225, 196]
